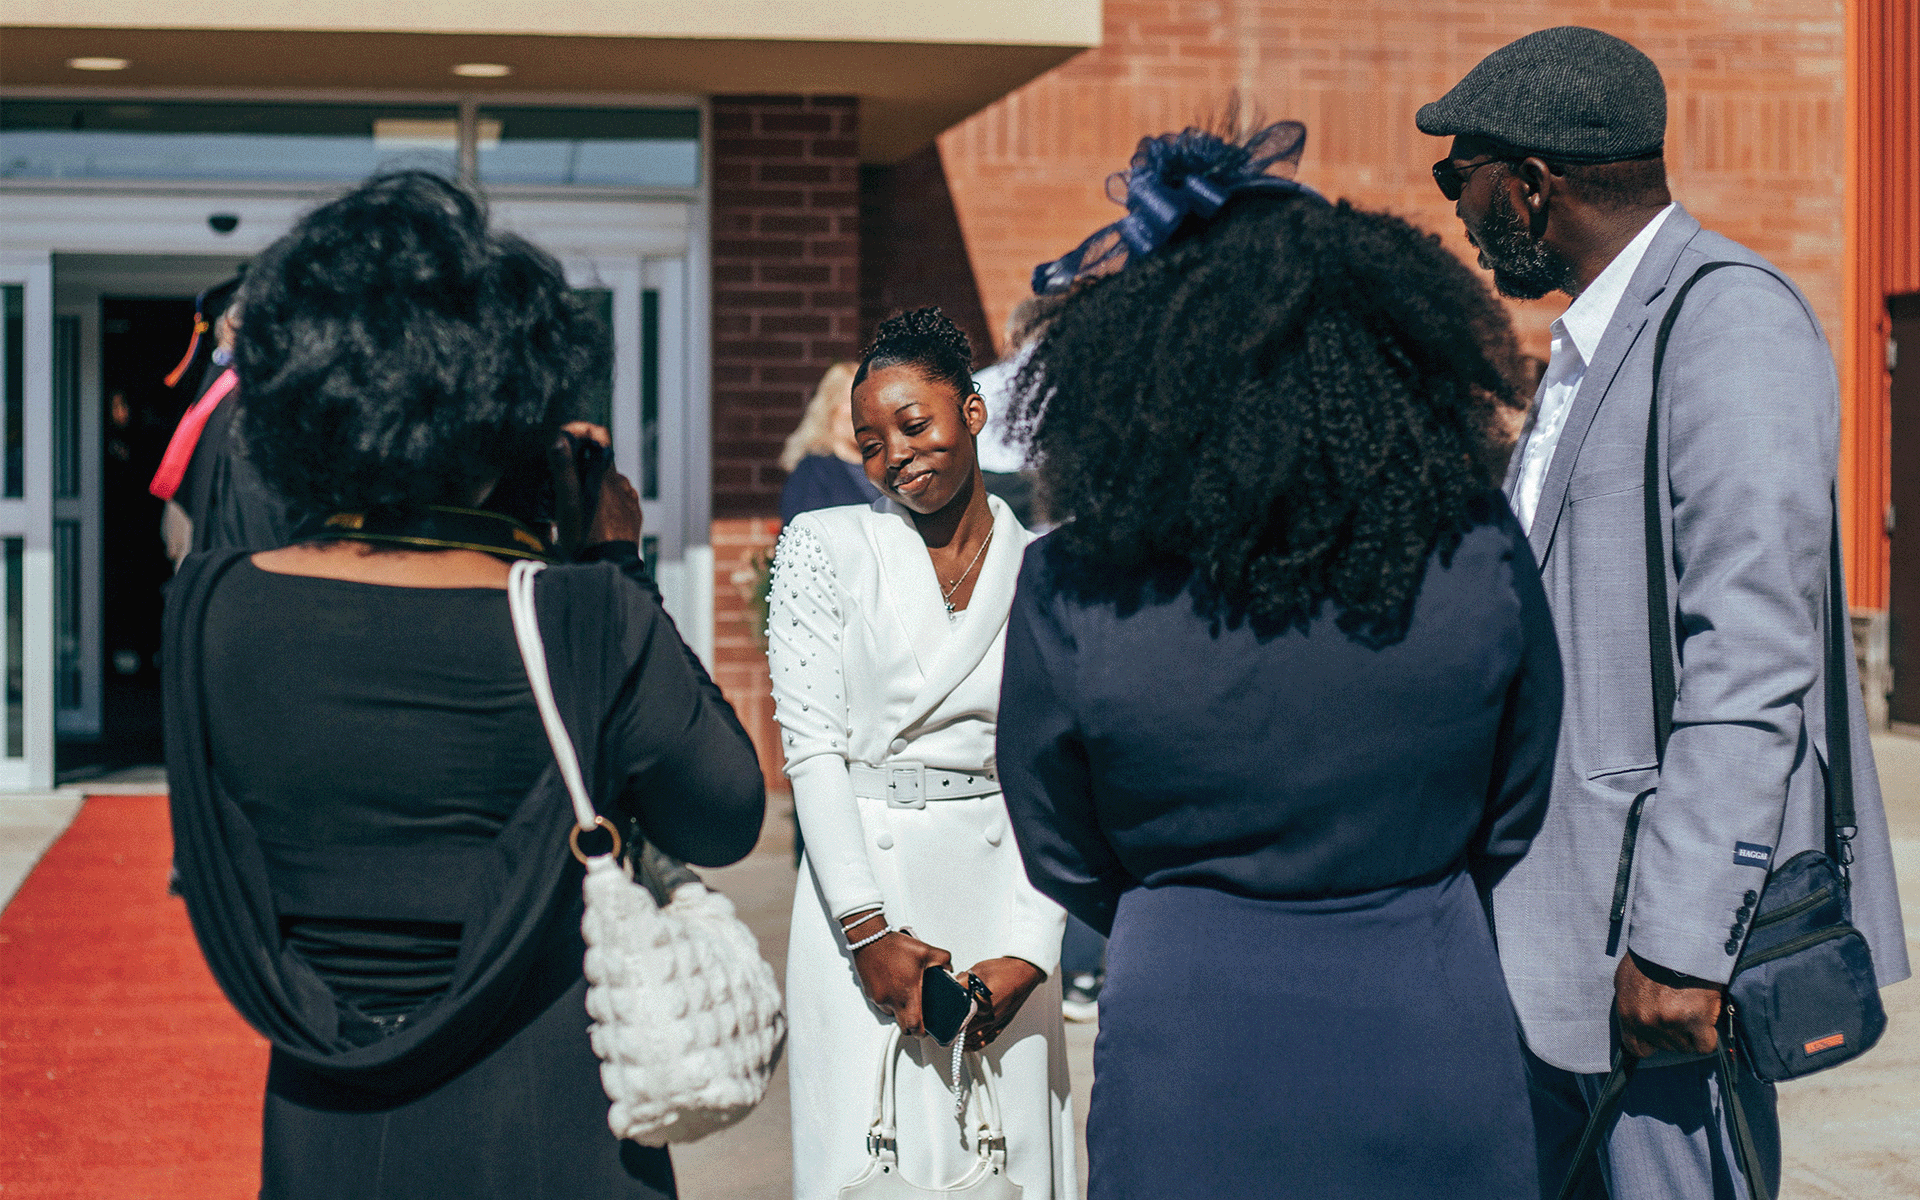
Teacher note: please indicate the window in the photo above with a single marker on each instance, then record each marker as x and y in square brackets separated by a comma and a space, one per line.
[57, 139]
[589, 147]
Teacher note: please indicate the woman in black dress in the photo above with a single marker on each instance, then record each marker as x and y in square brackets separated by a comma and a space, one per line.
[370, 836]
[1281, 695]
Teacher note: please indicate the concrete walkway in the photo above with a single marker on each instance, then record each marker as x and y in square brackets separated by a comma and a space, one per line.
[1853, 1133]
[1850, 1134]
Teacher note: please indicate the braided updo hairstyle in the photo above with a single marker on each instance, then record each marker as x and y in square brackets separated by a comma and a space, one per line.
[927, 341]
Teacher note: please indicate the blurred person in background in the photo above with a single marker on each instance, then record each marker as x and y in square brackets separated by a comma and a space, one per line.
[214, 495]
[370, 835]
[1003, 462]
[1281, 692]
[822, 465]
[1003, 455]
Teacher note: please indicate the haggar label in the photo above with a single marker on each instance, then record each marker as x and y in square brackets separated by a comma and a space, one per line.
[1746, 854]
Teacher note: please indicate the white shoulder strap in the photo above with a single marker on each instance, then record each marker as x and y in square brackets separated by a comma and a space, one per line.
[533, 653]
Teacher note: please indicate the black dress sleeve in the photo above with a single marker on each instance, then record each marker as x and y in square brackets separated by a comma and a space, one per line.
[1529, 729]
[692, 777]
[1043, 761]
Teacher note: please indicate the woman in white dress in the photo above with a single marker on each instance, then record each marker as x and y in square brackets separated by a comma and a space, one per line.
[886, 632]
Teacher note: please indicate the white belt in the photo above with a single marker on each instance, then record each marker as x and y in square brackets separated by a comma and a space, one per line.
[912, 784]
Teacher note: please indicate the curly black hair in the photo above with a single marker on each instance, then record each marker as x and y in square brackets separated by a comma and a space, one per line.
[926, 339]
[1294, 399]
[394, 352]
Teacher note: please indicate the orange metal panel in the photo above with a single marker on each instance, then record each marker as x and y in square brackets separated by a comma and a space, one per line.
[1882, 259]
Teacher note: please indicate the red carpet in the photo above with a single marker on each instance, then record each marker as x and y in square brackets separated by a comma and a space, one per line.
[124, 1073]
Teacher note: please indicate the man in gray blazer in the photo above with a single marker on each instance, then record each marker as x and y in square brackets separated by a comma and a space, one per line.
[1557, 173]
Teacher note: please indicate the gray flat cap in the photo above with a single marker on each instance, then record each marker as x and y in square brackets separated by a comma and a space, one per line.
[1571, 93]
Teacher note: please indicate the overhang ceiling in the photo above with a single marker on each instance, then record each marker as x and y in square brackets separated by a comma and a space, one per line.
[909, 90]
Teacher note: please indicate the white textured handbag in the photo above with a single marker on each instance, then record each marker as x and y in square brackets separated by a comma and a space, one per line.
[986, 1179]
[687, 1020]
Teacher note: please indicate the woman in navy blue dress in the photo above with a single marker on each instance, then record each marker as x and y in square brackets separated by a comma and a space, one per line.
[1281, 695]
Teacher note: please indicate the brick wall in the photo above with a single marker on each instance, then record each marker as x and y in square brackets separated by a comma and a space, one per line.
[1757, 102]
[912, 252]
[739, 660]
[786, 277]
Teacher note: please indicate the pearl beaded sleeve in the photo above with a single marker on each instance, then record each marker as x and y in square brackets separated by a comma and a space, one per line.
[804, 622]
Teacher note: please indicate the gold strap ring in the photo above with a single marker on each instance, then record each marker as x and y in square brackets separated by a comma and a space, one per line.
[573, 839]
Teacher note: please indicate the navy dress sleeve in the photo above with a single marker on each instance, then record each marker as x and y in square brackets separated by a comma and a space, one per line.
[1043, 763]
[1529, 731]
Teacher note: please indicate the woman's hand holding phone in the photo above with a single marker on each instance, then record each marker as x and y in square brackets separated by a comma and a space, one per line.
[891, 972]
[1011, 981]
[616, 510]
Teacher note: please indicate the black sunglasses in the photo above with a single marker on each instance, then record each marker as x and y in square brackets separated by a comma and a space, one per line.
[1452, 178]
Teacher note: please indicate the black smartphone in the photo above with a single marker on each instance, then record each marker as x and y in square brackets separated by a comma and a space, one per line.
[591, 461]
[944, 1005]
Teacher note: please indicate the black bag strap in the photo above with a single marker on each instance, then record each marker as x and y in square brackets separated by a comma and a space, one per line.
[1586, 1156]
[1606, 1106]
[1743, 1145]
[1660, 611]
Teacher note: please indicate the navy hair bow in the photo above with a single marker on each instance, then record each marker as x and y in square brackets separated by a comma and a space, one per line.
[1172, 177]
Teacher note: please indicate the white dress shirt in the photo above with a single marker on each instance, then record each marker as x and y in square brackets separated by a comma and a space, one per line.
[1576, 335]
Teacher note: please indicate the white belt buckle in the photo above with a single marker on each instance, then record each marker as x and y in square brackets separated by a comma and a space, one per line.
[906, 785]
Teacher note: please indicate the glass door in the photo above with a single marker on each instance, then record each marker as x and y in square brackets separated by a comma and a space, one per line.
[645, 404]
[26, 526]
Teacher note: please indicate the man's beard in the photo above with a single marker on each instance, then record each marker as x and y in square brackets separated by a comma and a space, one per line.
[1522, 267]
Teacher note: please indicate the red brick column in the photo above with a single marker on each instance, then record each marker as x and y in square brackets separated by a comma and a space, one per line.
[786, 283]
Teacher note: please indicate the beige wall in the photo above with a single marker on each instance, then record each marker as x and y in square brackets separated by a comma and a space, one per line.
[999, 22]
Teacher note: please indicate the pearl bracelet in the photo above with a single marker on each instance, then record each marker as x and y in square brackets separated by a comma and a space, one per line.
[871, 938]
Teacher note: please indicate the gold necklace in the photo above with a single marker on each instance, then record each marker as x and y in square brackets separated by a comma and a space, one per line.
[948, 598]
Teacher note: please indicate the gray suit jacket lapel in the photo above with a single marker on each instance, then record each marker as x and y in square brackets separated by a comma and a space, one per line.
[1650, 280]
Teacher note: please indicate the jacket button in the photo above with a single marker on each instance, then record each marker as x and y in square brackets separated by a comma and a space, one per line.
[995, 832]
[1733, 945]
[1752, 897]
[899, 746]
[1744, 911]
[884, 841]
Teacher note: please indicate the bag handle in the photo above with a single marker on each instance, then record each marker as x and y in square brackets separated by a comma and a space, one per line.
[533, 654]
[1586, 1155]
[1743, 1145]
[883, 1133]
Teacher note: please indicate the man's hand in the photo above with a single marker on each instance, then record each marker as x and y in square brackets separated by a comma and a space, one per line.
[1673, 1013]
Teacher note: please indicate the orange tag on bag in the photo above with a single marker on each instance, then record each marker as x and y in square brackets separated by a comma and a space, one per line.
[1826, 1043]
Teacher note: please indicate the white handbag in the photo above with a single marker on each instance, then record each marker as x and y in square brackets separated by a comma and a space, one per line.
[687, 1020]
[986, 1179]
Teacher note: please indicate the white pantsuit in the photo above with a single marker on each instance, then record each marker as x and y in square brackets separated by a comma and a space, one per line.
[869, 669]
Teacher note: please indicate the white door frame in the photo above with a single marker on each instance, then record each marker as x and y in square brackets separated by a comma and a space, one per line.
[79, 284]
[29, 517]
